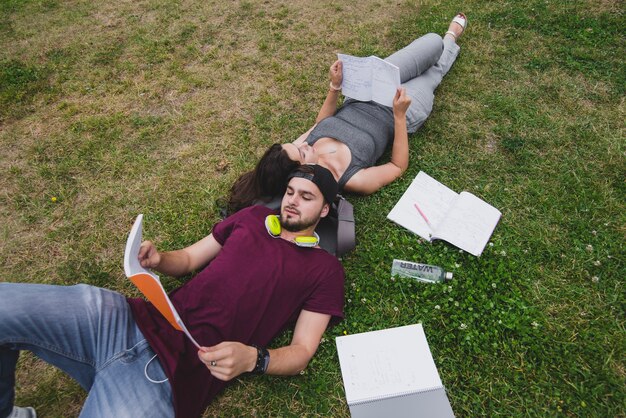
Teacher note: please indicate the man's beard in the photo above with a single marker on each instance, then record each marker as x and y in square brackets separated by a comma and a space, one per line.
[293, 225]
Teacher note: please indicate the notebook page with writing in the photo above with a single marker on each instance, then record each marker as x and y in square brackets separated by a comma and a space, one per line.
[469, 224]
[386, 363]
[433, 198]
[385, 81]
[357, 77]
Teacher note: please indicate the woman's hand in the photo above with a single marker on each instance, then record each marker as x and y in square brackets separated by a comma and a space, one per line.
[401, 102]
[148, 256]
[336, 73]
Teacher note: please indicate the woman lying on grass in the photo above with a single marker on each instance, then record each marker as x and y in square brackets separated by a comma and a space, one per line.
[349, 141]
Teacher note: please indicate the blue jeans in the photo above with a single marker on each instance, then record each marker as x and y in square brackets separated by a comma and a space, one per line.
[90, 334]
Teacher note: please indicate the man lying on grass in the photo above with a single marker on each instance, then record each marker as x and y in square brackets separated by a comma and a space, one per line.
[263, 274]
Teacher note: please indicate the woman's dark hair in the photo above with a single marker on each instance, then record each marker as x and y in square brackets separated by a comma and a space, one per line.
[266, 181]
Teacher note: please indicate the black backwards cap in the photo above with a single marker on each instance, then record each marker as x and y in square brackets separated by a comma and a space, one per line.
[321, 177]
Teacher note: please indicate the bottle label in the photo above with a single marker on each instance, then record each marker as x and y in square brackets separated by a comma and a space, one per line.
[418, 271]
[416, 266]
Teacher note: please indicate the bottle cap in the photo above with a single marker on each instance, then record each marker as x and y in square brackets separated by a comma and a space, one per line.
[448, 276]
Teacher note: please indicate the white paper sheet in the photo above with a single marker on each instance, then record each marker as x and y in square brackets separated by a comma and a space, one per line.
[369, 78]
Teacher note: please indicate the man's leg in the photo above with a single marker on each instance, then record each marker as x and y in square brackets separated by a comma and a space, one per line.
[8, 359]
[79, 329]
[50, 321]
[133, 384]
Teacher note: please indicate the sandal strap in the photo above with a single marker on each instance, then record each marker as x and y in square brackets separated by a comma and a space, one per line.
[460, 20]
[451, 34]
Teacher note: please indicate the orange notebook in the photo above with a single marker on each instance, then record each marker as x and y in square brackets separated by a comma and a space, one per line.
[148, 282]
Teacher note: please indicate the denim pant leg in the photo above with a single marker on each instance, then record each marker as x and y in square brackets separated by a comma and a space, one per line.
[8, 359]
[50, 321]
[81, 329]
[421, 87]
[132, 384]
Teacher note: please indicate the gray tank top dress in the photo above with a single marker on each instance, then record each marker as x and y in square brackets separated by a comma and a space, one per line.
[366, 128]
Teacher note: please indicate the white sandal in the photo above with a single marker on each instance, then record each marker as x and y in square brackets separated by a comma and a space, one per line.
[461, 19]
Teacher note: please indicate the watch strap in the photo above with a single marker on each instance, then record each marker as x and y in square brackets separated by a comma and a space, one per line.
[262, 360]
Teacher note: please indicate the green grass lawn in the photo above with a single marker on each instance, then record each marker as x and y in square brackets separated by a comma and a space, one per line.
[108, 110]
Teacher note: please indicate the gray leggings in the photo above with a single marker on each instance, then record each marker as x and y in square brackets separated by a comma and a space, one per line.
[422, 65]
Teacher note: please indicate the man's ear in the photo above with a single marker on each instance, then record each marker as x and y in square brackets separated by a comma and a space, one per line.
[325, 210]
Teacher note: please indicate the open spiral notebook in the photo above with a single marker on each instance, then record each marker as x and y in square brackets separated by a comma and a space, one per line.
[431, 210]
[391, 373]
[148, 282]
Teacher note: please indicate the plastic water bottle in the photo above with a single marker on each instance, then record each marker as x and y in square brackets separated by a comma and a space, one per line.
[418, 271]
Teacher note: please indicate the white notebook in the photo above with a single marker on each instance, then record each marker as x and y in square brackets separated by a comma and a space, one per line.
[433, 211]
[391, 373]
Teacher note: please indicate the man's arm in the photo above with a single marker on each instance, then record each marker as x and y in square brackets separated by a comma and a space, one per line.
[179, 262]
[234, 358]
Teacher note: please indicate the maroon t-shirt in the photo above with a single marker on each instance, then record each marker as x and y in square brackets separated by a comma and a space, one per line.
[255, 287]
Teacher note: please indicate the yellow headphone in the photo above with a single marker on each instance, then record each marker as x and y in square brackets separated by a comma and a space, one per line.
[272, 224]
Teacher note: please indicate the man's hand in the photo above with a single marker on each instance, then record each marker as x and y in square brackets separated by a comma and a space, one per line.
[229, 359]
[336, 73]
[148, 257]
[401, 103]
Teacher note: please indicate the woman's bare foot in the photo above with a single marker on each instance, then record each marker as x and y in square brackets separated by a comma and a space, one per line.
[456, 28]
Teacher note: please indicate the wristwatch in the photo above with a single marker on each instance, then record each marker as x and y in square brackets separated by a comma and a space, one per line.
[262, 360]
